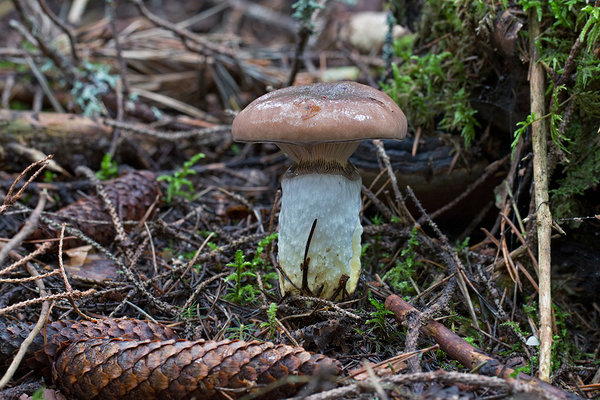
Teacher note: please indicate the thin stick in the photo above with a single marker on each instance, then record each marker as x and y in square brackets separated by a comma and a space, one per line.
[29, 226]
[68, 287]
[10, 198]
[544, 217]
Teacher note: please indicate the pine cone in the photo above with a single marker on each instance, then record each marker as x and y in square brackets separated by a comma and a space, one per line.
[179, 369]
[130, 194]
[59, 334]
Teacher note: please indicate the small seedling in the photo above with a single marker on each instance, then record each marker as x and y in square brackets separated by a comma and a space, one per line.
[242, 292]
[49, 177]
[179, 185]
[378, 320]
[240, 332]
[190, 312]
[399, 276]
[272, 320]
[108, 168]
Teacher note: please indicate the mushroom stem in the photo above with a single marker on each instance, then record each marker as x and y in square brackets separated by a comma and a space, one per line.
[334, 200]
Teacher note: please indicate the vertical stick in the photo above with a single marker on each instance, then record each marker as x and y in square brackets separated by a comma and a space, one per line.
[544, 218]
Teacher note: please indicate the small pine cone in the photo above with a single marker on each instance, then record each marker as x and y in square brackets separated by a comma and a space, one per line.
[59, 334]
[179, 369]
[130, 194]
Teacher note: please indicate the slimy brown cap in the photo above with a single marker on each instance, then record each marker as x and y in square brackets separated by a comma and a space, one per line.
[320, 113]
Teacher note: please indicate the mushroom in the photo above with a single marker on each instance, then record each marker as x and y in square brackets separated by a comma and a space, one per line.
[319, 126]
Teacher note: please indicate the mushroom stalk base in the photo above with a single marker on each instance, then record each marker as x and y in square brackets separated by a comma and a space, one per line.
[335, 246]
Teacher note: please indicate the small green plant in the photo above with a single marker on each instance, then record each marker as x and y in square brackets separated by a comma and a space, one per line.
[243, 292]
[39, 394]
[377, 220]
[432, 87]
[49, 176]
[464, 245]
[190, 312]
[240, 332]
[259, 260]
[179, 184]
[108, 168]
[399, 275]
[378, 319]
[272, 320]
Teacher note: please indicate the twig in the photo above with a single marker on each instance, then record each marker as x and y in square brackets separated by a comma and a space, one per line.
[200, 288]
[167, 308]
[171, 136]
[52, 297]
[110, 207]
[489, 170]
[66, 29]
[29, 226]
[306, 261]
[303, 36]
[383, 209]
[472, 357]
[76, 11]
[544, 216]
[207, 47]
[110, 8]
[40, 250]
[11, 198]
[63, 273]
[405, 214]
[59, 60]
[511, 385]
[44, 84]
[328, 303]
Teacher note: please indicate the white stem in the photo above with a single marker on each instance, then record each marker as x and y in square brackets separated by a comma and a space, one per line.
[335, 202]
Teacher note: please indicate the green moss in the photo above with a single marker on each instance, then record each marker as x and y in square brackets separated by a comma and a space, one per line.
[431, 80]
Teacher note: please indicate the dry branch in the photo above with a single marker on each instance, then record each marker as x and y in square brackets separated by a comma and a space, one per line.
[542, 206]
[470, 356]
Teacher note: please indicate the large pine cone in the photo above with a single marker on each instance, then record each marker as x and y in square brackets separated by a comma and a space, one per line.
[131, 195]
[179, 369]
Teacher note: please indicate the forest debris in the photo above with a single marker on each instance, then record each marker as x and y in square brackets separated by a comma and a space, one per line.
[131, 195]
[90, 267]
[506, 32]
[468, 355]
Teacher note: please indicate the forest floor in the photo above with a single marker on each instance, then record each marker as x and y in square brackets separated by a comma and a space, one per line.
[178, 223]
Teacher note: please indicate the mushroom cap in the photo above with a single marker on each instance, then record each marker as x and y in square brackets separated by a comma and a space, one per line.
[320, 113]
